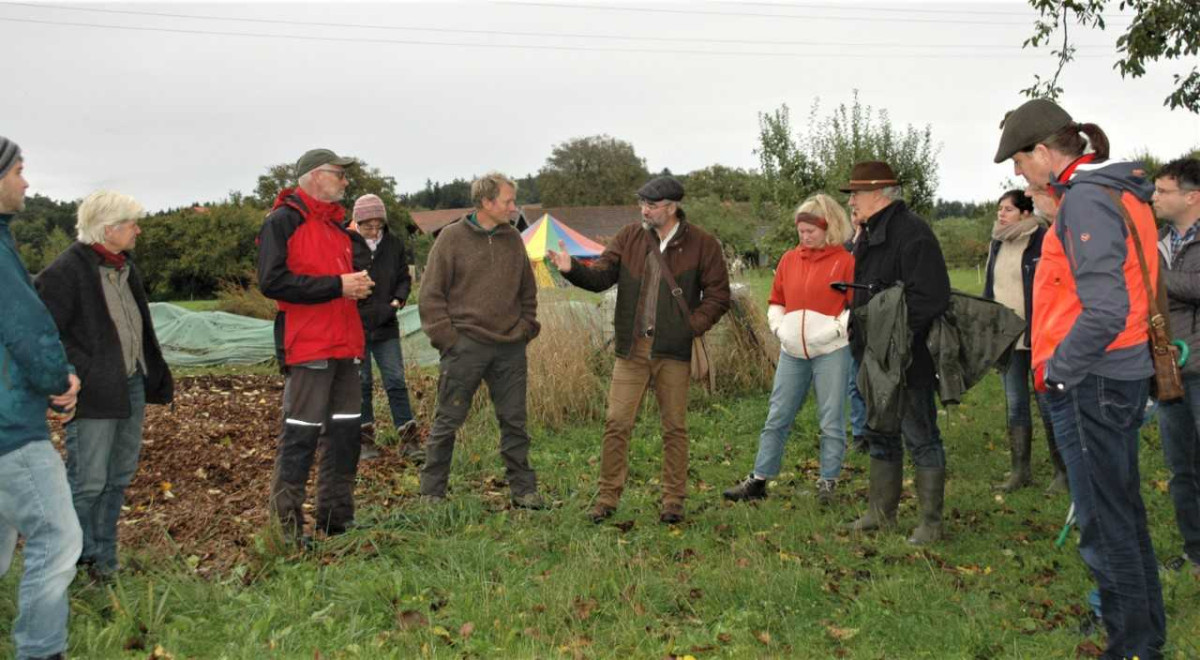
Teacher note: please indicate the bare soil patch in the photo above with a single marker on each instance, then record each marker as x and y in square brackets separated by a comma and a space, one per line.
[203, 481]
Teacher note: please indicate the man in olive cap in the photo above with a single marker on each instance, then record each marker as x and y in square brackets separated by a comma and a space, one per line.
[896, 245]
[653, 334]
[306, 264]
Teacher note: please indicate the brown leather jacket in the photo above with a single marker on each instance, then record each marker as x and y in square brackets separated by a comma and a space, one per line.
[696, 262]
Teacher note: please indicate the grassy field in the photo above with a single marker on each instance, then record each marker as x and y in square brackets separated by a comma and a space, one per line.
[774, 580]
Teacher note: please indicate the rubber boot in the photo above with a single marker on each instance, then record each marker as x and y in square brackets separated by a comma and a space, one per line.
[1059, 484]
[883, 497]
[1020, 439]
[931, 491]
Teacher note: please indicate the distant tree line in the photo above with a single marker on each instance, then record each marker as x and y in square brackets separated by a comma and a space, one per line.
[193, 252]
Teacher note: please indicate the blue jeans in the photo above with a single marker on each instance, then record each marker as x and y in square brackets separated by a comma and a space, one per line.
[918, 432]
[1016, 391]
[1096, 425]
[1181, 448]
[35, 502]
[793, 377]
[390, 358]
[858, 407]
[102, 457]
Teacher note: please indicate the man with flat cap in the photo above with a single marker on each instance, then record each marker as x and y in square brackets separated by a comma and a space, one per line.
[896, 245]
[658, 314]
[306, 264]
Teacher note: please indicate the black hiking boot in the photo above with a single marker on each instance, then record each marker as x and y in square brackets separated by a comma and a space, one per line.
[751, 488]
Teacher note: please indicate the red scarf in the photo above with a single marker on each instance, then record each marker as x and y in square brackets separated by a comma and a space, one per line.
[113, 259]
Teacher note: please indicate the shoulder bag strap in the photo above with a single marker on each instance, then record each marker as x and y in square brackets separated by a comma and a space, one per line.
[1151, 298]
[676, 292]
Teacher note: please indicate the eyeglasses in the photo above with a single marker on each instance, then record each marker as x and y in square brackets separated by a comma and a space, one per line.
[341, 174]
[647, 204]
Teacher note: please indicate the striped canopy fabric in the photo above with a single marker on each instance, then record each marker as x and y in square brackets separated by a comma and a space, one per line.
[544, 235]
[547, 232]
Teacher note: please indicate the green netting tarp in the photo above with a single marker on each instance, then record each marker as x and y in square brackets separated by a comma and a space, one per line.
[193, 339]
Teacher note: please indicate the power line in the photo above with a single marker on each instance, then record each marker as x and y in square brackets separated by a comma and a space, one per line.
[743, 14]
[906, 10]
[513, 33]
[409, 42]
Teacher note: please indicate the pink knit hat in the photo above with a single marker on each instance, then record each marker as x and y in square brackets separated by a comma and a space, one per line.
[368, 207]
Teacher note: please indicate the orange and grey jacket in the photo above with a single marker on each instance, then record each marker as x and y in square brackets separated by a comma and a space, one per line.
[1089, 299]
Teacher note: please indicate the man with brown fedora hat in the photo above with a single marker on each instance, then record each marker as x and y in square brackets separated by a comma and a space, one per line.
[896, 245]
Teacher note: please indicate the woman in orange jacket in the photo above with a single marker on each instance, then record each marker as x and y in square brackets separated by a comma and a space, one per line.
[810, 318]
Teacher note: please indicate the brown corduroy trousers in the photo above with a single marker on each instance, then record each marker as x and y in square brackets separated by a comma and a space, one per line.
[630, 379]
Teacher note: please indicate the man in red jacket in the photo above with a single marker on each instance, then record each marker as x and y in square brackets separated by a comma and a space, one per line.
[305, 263]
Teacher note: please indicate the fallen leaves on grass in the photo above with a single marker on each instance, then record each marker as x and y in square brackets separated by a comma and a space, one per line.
[583, 608]
[411, 619]
[763, 637]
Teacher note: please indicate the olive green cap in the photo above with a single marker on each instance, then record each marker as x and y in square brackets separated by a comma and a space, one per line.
[314, 158]
[1029, 124]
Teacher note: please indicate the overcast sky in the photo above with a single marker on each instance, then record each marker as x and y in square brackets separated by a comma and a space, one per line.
[180, 108]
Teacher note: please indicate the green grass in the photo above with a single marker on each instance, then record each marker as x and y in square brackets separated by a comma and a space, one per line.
[550, 584]
[776, 579]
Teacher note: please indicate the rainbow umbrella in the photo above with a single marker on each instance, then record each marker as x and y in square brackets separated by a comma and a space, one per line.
[545, 234]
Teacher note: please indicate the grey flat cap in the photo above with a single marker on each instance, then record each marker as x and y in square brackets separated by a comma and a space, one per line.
[660, 188]
[1029, 124]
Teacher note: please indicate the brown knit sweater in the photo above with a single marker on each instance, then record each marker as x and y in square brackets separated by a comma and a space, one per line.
[479, 283]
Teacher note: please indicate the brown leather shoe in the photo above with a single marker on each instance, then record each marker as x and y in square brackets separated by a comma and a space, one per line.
[672, 514]
[601, 512]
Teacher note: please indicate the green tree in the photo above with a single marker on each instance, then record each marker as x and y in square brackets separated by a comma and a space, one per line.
[727, 184]
[188, 253]
[1161, 29]
[796, 165]
[595, 170]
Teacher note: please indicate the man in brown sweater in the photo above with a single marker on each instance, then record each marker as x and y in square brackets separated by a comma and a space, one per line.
[653, 337]
[478, 305]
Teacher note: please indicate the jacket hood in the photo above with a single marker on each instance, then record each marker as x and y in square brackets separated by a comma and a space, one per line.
[307, 205]
[1124, 176]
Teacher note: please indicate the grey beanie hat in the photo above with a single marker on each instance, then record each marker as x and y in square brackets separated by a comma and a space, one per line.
[10, 154]
[1029, 124]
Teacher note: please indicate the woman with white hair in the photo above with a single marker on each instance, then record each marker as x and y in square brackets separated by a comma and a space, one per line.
[96, 296]
[810, 319]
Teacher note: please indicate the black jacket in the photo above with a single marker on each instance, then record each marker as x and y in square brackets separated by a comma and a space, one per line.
[70, 287]
[898, 246]
[1029, 261]
[389, 270]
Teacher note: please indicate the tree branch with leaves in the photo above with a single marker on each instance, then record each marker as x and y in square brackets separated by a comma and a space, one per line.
[1160, 30]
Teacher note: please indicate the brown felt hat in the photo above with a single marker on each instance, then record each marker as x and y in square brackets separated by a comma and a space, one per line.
[1029, 124]
[870, 175]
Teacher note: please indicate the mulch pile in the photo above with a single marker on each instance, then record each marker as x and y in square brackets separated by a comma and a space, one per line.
[204, 477]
